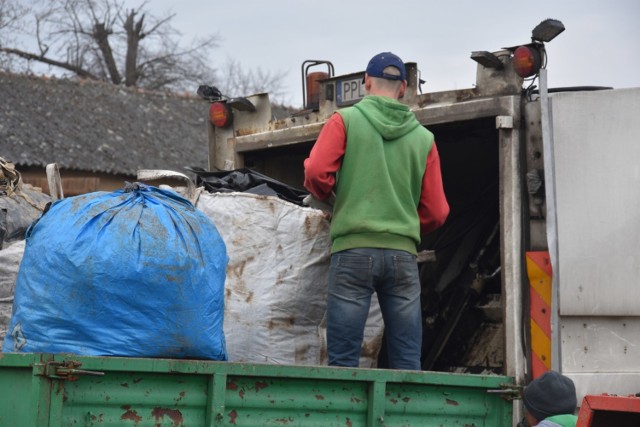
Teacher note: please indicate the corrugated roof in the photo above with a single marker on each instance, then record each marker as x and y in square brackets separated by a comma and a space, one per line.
[99, 127]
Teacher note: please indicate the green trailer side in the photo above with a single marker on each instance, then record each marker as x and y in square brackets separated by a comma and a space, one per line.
[69, 390]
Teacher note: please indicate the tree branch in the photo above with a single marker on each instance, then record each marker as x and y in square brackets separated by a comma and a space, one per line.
[101, 36]
[65, 65]
[133, 30]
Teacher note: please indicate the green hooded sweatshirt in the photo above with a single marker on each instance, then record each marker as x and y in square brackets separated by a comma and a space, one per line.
[567, 420]
[379, 183]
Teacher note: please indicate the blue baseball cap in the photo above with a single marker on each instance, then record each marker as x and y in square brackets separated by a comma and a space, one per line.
[378, 63]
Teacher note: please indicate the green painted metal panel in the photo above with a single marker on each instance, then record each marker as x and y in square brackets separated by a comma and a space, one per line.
[162, 392]
[24, 398]
[16, 390]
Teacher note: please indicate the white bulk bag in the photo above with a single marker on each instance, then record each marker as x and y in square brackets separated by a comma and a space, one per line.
[276, 284]
[10, 258]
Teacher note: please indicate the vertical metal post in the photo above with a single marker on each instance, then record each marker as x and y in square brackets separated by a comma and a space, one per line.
[56, 410]
[216, 399]
[551, 215]
[54, 181]
[375, 415]
[40, 400]
[211, 138]
[511, 237]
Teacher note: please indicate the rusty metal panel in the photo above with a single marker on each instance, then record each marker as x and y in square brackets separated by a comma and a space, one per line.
[607, 410]
[164, 392]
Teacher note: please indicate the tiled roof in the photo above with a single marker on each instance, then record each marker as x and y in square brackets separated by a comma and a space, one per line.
[99, 127]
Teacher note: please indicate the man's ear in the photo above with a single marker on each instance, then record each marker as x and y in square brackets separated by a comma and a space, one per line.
[403, 88]
[367, 82]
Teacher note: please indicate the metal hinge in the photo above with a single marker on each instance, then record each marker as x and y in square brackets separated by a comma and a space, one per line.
[508, 392]
[67, 370]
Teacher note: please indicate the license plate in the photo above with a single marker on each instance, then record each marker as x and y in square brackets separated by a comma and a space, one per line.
[349, 91]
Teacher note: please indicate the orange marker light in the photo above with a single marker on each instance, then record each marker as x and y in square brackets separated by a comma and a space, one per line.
[527, 61]
[220, 114]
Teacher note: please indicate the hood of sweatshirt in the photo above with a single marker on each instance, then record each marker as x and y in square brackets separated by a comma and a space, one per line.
[389, 117]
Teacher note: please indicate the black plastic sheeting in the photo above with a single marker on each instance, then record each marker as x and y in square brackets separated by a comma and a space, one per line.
[246, 181]
[18, 211]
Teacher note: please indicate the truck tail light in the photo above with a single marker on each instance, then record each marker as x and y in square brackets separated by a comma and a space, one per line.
[527, 60]
[220, 114]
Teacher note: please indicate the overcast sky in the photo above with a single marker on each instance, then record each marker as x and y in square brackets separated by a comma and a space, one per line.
[600, 46]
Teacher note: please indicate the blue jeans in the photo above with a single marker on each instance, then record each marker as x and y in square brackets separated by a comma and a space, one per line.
[353, 277]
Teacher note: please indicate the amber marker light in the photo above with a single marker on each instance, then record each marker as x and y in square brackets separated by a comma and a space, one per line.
[527, 60]
[220, 115]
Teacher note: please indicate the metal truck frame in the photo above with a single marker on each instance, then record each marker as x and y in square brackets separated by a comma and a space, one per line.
[592, 329]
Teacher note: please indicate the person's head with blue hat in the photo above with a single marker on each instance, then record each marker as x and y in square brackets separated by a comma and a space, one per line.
[386, 75]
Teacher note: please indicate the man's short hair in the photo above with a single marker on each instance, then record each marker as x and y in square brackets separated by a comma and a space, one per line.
[389, 84]
[391, 71]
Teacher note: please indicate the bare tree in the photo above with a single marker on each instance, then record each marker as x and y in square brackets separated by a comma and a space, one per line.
[237, 81]
[104, 40]
[11, 12]
[4, 13]
[11, 16]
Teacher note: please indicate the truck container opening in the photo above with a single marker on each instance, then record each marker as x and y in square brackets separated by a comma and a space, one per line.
[461, 284]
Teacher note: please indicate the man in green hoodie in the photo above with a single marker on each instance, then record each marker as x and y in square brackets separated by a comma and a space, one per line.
[384, 170]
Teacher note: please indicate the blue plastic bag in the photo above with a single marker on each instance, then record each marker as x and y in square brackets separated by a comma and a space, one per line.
[137, 272]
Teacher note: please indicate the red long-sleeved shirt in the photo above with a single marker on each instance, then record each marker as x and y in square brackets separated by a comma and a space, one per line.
[325, 160]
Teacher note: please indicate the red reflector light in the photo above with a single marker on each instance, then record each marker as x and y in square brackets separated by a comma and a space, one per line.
[527, 61]
[220, 114]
